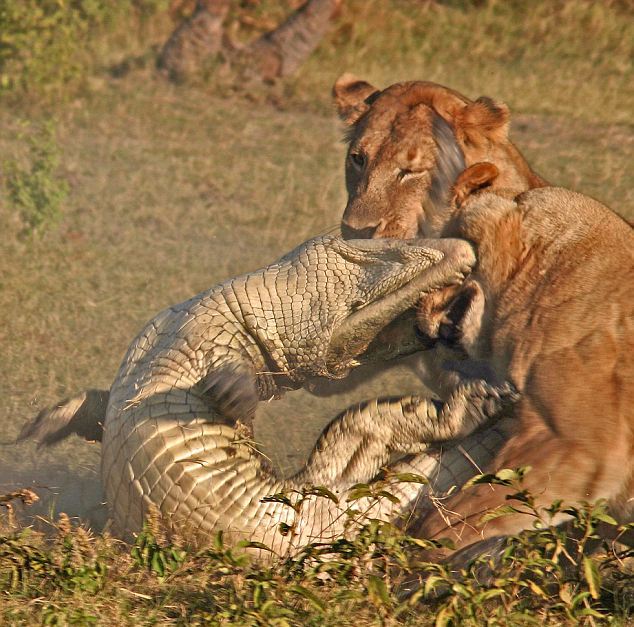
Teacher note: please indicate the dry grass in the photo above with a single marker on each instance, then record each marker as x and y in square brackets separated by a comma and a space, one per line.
[174, 189]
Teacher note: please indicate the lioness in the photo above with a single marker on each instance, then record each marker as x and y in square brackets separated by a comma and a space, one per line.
[551, 307]
[408, 144]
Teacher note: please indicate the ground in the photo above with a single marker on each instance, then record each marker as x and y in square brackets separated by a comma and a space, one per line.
[175, 188]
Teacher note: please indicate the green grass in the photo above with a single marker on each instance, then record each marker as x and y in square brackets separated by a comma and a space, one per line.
[570, 58]
[37, 191]
[173, 189]
[70, 576]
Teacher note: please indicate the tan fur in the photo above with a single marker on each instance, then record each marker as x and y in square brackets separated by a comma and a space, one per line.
[397, 151]
[551, 306]
[474, 178]
[556, 272]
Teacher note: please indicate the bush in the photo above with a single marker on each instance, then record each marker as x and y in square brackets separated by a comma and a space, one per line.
[36, 190]
[46, 44]
[543, 576]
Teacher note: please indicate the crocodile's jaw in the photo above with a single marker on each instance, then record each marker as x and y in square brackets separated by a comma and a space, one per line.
[364, 327]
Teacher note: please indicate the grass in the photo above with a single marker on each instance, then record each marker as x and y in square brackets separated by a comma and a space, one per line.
[173, 189]
[561, 57]
[38, 192]
[71, 576]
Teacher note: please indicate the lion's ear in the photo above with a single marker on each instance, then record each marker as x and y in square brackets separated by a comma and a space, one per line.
[352, 97]
[475, 177]
[485, 117]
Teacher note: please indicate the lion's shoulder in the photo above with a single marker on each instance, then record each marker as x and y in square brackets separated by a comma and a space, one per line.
[558, 212]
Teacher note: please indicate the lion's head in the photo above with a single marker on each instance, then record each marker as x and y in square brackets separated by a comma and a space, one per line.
[407, 146]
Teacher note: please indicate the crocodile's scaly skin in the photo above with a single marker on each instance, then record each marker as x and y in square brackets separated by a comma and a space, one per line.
[174, 436]
[170, 439]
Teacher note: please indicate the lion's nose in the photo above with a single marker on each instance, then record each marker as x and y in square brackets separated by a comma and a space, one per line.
[350, 232]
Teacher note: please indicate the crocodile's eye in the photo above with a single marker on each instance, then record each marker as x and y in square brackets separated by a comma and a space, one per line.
[358, 160]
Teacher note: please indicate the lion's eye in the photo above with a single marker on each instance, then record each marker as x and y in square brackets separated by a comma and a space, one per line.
[358, 160]
[405, 173]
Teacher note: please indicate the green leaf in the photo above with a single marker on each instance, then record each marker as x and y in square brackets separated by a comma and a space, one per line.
[606, 518]
[320, 491]
[389, 496]
[310, 596]
[258, 593]
[536, 589]
[177, 556]
[443, 618]
[480, 479]
[277, 498]
[506, 474]
[432, 582]
[490, 594]
[157, 564]
[462, 590]
[218, 542]
[424, 544]
[410, 477]
[588, 611]
[498, 512]
[578, 599]
[248, 544]
[377, 590]
[592, 575]
[359, 491]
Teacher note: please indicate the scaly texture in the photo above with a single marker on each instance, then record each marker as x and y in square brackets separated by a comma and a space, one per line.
[174, 436]
[170, 437]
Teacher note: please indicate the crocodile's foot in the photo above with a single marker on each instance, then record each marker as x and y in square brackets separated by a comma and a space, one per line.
[475, 402]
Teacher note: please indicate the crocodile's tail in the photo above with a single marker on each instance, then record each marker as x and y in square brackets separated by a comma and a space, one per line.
[83, 414]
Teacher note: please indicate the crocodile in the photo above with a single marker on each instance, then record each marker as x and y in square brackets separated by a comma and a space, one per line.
[178, 414]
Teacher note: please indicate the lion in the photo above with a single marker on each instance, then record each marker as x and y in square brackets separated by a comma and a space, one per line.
[550, 307]
[408, 144]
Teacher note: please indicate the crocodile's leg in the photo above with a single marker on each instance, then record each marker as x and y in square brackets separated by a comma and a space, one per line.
[360, 441]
